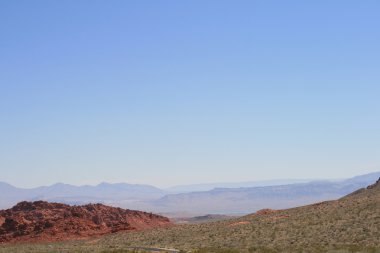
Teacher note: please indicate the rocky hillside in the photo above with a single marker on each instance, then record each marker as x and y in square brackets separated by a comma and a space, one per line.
[41, 221]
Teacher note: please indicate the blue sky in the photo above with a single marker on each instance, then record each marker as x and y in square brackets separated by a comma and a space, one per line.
[175, 92]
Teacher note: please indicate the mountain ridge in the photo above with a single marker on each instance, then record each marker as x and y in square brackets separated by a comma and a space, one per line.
[251, 199]
[231, 201]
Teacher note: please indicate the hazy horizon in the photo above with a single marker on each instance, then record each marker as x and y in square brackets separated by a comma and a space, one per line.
[168, 187]
[170, 93]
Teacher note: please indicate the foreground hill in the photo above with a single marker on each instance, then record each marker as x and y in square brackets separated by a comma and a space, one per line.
[43, 221]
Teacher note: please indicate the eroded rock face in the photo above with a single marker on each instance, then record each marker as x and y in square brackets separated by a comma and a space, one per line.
[40, 220]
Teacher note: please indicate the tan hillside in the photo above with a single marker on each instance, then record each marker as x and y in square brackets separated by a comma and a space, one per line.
[353, 221]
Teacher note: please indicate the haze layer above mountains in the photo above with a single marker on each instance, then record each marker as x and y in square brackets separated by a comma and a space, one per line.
[233, 198]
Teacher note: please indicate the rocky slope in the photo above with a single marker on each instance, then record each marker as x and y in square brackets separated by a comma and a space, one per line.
[44, 221]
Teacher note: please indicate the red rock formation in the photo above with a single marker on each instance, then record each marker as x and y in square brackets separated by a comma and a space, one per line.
[36, 221]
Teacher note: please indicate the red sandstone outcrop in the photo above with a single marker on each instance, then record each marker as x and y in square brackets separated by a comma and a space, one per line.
[43, 221]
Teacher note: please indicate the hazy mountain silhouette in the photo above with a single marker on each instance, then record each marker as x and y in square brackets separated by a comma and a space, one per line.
[240, 200]
[250, 199]
[70, 194]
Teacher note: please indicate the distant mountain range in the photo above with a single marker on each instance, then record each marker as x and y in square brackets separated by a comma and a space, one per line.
[211, 186]
[233, 198]
[121, 193]
[235, 201]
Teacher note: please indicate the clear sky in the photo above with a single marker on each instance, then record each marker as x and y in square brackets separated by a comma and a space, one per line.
[173, 92]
